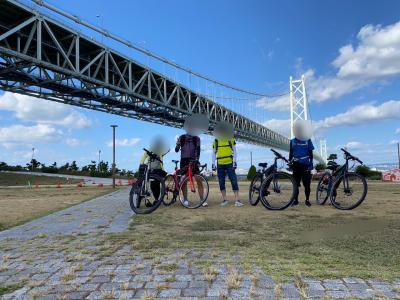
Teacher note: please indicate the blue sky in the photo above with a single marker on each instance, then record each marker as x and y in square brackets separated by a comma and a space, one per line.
[348, 50]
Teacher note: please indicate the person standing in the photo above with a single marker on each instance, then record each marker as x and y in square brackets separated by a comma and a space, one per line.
[224, 152]
[301, 156]
[189, 146]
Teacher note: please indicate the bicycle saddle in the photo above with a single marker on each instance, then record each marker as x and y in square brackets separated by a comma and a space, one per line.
[263, 165]
[175, 161]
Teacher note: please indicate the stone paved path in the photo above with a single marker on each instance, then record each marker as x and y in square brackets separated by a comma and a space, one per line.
[107, 213]
[67, 255]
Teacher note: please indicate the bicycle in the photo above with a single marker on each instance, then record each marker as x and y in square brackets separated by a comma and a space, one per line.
[275, 189]
[341, 185]
[187, 186]
[148, 190]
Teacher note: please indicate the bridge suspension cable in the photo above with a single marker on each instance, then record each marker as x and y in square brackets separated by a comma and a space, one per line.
[147, 52]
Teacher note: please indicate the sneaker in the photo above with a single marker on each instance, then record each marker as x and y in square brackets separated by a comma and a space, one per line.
[295, 203]
[308, 203]
[238, 203]
[224, 203]
[205, 204]
[186, 202]
[135, 200]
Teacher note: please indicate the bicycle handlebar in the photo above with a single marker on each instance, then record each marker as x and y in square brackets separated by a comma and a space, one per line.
[279, 156]
[152, 155]
[352, 157]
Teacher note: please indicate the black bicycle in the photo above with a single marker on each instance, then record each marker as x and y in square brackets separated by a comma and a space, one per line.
[147, 193]
[346, 189]
[276, 189]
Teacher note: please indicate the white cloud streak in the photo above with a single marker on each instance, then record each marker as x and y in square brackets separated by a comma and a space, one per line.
[19, 134]
[31, 109]
[374, 57]
[362, 114]
[125, 142]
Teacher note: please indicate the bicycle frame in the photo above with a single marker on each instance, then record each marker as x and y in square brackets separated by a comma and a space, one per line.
[178, 178]
[342, 170]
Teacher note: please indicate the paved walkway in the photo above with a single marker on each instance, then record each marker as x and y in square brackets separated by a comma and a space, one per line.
[67, 255]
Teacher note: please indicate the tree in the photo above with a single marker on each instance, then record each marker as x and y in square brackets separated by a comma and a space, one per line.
[252, 172]
[3, 166]
[73, 166]
[65, 167]
[33, 165]
[332, 160]
[320, 167]
[332, 156]
[363, 170]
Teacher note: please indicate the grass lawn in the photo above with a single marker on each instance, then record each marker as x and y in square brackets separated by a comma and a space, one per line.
[14, 179]
[320, 241]
[19, 205]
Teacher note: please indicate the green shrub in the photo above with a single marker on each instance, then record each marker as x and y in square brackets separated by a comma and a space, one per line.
[252, 172]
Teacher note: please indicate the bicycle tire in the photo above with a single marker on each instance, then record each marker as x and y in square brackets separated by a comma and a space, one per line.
[156, 203]
[336, 203]
[170, 190]
[264, 188]
[321, 185]
[257, 178]
[201, 201]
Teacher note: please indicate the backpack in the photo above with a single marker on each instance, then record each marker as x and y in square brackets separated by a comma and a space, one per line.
[189, 145]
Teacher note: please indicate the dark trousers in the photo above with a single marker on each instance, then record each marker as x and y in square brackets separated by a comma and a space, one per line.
[301, 173]
[222, 171]
[154, 185]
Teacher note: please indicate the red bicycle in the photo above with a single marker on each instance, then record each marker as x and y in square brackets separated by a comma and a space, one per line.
[192, 189]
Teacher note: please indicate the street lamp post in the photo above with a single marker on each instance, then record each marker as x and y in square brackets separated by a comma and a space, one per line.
[113, 164]
[33, 153]
[98, 166]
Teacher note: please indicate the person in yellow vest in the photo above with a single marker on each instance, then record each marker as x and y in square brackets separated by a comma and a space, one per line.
[224, 152]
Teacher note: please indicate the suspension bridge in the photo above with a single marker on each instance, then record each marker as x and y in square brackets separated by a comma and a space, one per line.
[44, 57]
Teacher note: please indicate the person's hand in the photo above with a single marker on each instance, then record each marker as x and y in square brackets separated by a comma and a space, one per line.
[213, 167]
[235, 165]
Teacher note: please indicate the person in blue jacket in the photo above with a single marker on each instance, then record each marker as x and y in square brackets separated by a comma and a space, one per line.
[301, 156]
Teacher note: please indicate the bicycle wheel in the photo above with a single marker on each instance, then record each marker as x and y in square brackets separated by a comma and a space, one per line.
[278, 191]
[254, 189]
[170, 190]
[150, 199]
[193, 194]
[323, 188]
[349, 191]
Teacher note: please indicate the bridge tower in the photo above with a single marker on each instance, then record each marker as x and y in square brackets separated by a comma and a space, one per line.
[298, 102]
[323, 150]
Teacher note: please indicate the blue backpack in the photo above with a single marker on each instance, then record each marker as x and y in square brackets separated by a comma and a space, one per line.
[301, 150]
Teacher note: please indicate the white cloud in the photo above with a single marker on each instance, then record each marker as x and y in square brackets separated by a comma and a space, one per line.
[398, 131]
[124, 142]
[374, 57]
[393, 142]
[279, 125]
[19, 134]
[365, 113]
[281, 103]
[42, 111]
[354, 145]
[73, 142]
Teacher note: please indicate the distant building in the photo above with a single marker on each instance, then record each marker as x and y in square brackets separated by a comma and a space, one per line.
[392, 175]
